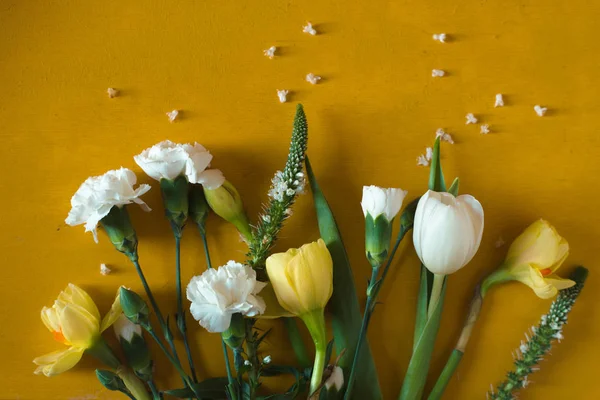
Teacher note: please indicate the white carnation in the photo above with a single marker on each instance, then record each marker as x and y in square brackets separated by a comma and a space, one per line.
[99, 194]
[386, 201]
[168, 160]
[125, 329]
[217, 294]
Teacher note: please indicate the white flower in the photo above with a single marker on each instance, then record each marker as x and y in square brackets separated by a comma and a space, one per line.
[308, 28]
[440, 37]
[428, 153]
[539, 110]
[247, 363]
[168, 160]
[499, 101]
[104, 270]
[437, 73]
[112, 92]
[336, 379]
[270, 52]
[447, 231]
[267, 360]
[440, 133]
[386, 201]
[217, 294]
[312, 78]
[98, 194]
[282, 94]
[470, 119]
[422, 161]
[485, 129]
[125, 329]
[172, 115]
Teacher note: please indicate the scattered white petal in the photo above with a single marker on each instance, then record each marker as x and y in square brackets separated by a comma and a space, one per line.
[428, 153]
[440, 37]
[437, 73]
[172, 115]
[525, 382]
[267, 360]
[282, 94]
[440, 133]
[308, 28]
[422, 160]
[499, 243]
[104, 270]
[485, 129]
[312, 78]
[539, 110]
[270, 52]
[470, 119]
[499, 101]
[112, 92]
[247, 363]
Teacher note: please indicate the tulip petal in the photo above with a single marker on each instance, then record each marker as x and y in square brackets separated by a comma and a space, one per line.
[50, 319]
[58, 361]
[559, 283]
[273, 308]
[79, 327]
[75, 295]
[542, 288]
[113, 314]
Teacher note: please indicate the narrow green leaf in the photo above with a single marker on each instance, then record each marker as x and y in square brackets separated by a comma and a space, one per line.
[453, 189]
[436, 176]
[345, 309]
[209, 388]
[422, 304]
[416, 374]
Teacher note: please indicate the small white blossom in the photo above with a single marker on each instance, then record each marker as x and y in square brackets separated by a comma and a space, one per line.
[539, 110]
[470, 119]
[525, 382]
[440, 37]
[422, 161]
[282, 94]
[428, 153]
[247, 363]
[544, 319]
[104, 270]
[270, 52]
[437, 73]
[267, 360]
[312, 78]
[440, 133]
[559, 336]
[485, 129]
[499, 243]
[172, 115]
[266, 218]
[290, 192]
[523, 347]
[112, 92]
[308, 28]
[499, 101]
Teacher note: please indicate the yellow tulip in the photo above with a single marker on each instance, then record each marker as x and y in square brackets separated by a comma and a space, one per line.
[302, 278]
[533, 259]
[74, 320]
[303, 283]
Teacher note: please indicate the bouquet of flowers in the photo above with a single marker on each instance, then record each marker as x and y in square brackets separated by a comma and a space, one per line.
[312, 283]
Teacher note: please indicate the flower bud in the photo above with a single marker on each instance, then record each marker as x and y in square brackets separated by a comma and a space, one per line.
[134, 307]
[110, 380]
[380, 207]
[175, 199]
[226, 202]
[120, 231]
[198, 207]
[236, 333]
[134, 347]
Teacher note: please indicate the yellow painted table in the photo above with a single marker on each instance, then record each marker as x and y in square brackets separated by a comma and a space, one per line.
[374, 112]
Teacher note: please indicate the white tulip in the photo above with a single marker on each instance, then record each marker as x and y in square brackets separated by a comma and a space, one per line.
[217, 294]
[168, 160]
[386, 201]
[125, 329]
[447, 231]
[98, 194]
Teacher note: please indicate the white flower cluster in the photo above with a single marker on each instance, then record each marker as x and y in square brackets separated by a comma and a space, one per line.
[281, 188]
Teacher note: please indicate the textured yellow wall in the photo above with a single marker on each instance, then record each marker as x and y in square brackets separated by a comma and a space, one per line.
[376, 109]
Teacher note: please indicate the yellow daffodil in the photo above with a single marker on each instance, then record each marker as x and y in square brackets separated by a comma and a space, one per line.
[74, 321]
[302, 278]
[533, 259]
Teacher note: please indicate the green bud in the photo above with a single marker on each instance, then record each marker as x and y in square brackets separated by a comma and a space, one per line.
[226, 202]
[110, 380]
[236, 333]
[134, 307]
[199, 208]
[175, 199]
[120, 231]
[407, 218]
[378, 233]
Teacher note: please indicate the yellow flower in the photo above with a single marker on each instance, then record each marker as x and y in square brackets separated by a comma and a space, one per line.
[302, 278]
[74, 320]
[535, 256]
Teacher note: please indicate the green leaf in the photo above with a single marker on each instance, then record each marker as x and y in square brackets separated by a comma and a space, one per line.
[294, 390]
[436, 176]
[345, 309]
[453, 189]
[209, 388]
[416, 374]
[422, 304]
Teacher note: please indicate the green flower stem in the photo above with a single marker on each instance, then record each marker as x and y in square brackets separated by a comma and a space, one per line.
[297, 342]
[202, 230]
[436, 290]
[251, 350]
[315, 322]
[155, 392]
[227, 365]
[180, 313]
[540, 341]
[133, 384]
[102, 351]
[447, 373]
[369, 308]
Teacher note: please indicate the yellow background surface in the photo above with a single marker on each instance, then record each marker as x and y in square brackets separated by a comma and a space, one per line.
[374, 112]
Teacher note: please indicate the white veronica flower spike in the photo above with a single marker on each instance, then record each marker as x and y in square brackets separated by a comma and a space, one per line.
[99, 194]
[168, 160]
[217, 294]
